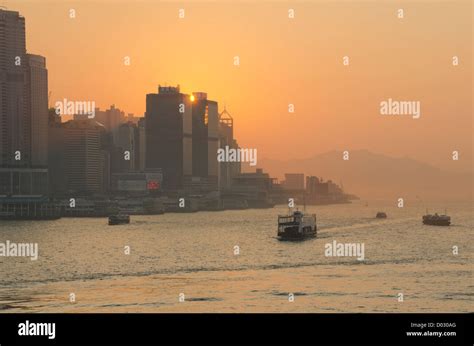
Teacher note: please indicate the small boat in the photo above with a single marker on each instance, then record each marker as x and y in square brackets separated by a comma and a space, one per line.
[436, 220]
[296, 226]
[381, 215]
[119, 219]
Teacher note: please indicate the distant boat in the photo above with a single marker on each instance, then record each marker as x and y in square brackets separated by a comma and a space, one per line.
[381, 215]
[296, 226]
[119, 219]
[436, 220]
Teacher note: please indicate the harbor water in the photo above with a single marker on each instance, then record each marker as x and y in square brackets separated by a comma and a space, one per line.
[232, 261]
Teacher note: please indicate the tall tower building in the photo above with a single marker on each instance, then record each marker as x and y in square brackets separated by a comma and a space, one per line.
[205, 139]
[14, 127]
[227, 170]
[169, 135]
[37, 83]
[23, 112]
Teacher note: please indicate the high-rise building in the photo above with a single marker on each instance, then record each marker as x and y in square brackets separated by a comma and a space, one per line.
[111, 119]
[14, 123]
[56, 155]
[84, 158]
[227, 170]
[169, 135]
[23, 112]
[205, 140]
[78, 158]
[142, 144]
[129, 144]
[131, 118]
[37, 81]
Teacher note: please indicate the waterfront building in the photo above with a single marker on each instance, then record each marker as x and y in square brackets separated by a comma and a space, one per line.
[129, 144]
[14, 128]
[169, 135]
[23, 111]
[37, 95]
[255, 187]
[141, 144]
[227, 171]
[78, 158]
[293, 181]
[137, 183]
[205, 128]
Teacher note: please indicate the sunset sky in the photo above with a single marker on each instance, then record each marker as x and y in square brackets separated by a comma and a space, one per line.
[282, 61]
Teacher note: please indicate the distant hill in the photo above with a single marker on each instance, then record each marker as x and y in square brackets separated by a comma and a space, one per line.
[371, 175]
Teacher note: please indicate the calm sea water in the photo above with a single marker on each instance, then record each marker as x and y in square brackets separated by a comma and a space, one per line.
[193, 255]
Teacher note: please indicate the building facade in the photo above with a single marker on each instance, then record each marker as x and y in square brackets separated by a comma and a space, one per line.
[37, 82]
[14, 125]
[77, 158]
[294, 181]
[23, 112]
[169, 135]
[227, 171]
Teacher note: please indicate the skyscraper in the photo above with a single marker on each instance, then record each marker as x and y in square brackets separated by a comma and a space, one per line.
[37, 82]
[14, 127]
[23, 112]
[227, 170]
[169, 135]
[205, 139]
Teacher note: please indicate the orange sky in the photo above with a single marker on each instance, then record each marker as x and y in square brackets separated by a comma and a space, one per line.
[283, 61]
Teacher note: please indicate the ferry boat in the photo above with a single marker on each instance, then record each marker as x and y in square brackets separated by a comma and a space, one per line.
[119, 219]
[436, 220]
[296, 226]
[381, 215]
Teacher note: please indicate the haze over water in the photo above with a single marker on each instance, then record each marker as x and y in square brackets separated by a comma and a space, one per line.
[194, 254]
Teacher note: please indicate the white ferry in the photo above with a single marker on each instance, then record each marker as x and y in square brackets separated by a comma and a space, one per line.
[296, 226]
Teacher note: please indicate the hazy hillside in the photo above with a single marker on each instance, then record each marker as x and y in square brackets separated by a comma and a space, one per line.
[372, 175]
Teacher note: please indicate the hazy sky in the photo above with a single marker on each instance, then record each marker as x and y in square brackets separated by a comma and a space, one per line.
[282, 61]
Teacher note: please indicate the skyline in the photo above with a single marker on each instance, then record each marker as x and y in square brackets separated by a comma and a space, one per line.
[218, 158]
[311, 68]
